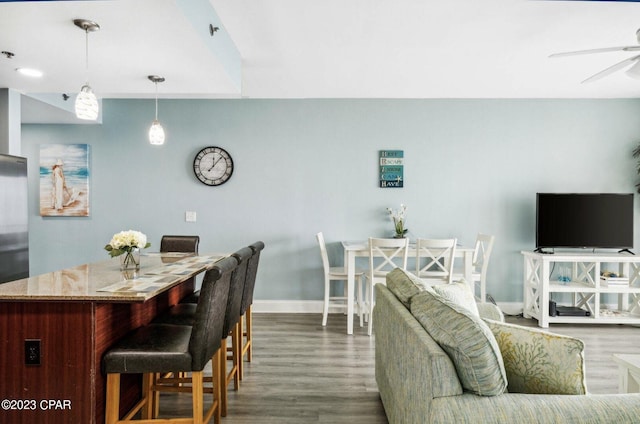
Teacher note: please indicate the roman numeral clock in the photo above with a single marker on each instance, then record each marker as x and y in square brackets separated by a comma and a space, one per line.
[213, 166]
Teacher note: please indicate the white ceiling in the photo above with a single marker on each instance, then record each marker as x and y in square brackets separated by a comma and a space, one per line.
[319, 48]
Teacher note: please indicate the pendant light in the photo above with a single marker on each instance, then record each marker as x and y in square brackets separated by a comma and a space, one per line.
[86, 102]
[156, 132]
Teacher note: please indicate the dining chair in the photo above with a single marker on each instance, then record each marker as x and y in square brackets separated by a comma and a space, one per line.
[481, 255]
[159, 349]
[434, 260]
[384, 254]
[334, 274]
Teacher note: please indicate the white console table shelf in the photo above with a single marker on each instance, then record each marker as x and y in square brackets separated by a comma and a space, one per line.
[585, 286]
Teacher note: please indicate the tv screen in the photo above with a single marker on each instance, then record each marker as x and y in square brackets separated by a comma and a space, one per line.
[580, 220]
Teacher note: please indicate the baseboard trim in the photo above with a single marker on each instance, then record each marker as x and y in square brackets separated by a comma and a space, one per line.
[288, 306]
[315, 307]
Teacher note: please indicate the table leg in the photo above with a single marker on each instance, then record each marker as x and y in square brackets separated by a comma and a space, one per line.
[622, 379]
[350, 263]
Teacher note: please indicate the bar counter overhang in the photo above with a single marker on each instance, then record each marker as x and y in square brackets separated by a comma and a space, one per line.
[76, 314]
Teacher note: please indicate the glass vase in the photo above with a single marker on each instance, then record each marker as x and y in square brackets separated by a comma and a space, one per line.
[130, 260]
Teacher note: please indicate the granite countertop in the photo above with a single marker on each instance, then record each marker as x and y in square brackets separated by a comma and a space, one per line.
[103, 281]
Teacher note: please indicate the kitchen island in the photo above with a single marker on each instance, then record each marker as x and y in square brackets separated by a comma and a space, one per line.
[55, 327]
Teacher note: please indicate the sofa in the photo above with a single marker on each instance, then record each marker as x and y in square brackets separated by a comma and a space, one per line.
[419, 383]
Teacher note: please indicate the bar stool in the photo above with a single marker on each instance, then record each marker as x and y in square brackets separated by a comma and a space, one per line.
[181, 244]
[185, 244]
[232, 326]
[246, 320]
[184, 313]
[162, 348]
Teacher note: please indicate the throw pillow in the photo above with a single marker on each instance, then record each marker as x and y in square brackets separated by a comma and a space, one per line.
[460, 293]
[466, 339]
[404, 285]
[537, 361]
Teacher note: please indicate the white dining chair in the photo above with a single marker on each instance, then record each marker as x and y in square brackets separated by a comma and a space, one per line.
[481, 255]
[333, 273]
[384, 256]
[434, 260]
[480, 264]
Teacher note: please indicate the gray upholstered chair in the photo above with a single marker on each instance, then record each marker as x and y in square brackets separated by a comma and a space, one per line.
[232, 326]
[246, 320]
[157, 349]
[184, 314]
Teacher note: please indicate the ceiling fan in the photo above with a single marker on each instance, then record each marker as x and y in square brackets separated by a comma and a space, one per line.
[633, 62]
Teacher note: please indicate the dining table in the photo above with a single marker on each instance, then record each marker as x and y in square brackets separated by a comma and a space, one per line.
[55, 327]
[360, 248]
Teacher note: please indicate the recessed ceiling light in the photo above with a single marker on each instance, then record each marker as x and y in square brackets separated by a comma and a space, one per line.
[29, 72]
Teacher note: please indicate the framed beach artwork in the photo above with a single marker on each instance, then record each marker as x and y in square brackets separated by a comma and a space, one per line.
[64, 180]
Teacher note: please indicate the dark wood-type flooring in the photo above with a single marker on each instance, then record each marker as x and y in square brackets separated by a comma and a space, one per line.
[304, 373]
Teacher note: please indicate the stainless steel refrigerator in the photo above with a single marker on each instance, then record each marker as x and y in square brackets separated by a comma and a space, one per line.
[14, 219]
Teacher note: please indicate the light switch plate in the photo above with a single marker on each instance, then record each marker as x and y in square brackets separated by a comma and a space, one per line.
[190, 216]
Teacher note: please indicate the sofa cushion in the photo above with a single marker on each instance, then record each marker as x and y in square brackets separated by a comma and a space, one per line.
[467, 340]
[458, 292]
[404, 285]
[537, 361]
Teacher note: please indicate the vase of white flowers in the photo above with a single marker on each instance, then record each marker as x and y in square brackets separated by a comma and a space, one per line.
[127, 245]
[399, 221]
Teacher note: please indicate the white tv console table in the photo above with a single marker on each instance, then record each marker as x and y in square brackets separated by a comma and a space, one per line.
[584, 284]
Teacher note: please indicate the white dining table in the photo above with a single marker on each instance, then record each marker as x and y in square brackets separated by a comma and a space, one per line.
[360, 248]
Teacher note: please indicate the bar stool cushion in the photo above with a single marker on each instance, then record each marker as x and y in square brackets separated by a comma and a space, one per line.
[152, 348]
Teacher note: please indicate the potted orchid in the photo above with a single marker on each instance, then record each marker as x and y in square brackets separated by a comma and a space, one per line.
[127, 244]
[399, 220]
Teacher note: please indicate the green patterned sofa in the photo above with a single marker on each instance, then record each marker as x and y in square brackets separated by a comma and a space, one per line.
[418, 383]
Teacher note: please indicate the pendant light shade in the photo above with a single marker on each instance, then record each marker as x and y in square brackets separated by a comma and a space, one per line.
[86, 105]
[156, 132]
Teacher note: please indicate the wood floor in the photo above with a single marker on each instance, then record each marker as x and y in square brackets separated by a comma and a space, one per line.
[304, 373]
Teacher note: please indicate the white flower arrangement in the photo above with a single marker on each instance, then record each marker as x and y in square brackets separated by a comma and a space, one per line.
[125, 242]
[399, 220]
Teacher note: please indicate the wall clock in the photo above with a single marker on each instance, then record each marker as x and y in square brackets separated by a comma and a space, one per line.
[213, 166]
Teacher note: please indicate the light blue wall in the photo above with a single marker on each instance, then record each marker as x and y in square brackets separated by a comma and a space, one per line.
[304, 166]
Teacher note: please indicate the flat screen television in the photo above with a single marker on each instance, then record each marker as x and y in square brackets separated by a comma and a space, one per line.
[584, 220]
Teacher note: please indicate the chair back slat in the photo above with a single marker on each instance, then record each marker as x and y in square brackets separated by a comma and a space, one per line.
[206, 333]
[387, 254]
[434, 258]
[482, 251]
[323, 252]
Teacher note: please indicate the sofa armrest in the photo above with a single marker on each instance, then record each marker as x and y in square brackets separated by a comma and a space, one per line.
[411, 368]
[490, 311]
[540, 409]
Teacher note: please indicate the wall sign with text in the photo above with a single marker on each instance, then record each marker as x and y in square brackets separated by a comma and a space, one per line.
[391, 168]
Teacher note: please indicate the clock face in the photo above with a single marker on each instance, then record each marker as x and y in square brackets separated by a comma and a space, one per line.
[213, 166]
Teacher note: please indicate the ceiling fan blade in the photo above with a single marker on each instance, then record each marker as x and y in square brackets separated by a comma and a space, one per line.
[602, 50]
[634, 71]
[612, 69]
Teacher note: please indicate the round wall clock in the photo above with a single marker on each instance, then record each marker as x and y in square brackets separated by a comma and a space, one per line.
[213, 166]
